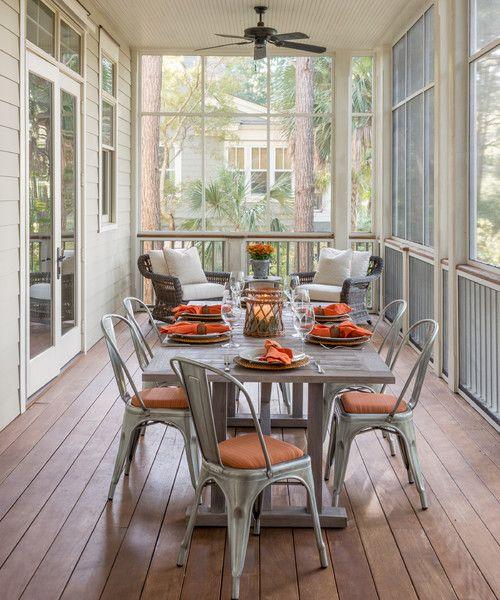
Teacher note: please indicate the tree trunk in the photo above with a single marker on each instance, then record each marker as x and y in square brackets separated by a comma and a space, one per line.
[150, 176]
[303, 157]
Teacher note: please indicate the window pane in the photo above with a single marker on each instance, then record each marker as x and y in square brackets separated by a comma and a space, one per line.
[235, 84]
[414, 170]
[171, 83]
[107, 170]
[399, 172]
[40, 25]
[361, 173]
[171, 173]
[416, 57]
[361, 84]
[429, 167]
[108, 75]
[429, 46]
[301, 84]
[399, 71]
[485, 158]
[308, 207]
[70, 47]
[41, 165]
[485, 23]
[107, 124]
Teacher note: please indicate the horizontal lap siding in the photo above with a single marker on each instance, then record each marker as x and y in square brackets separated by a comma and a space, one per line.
[108, 278]
[9, 210]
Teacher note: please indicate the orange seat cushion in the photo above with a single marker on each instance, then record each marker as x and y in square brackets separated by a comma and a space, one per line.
[373, 404]
[162, 397]
[245, 452]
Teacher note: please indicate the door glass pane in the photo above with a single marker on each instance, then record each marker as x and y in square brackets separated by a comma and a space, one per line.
[68, 209]
[70, 47]
[40, 202]
[40, 26]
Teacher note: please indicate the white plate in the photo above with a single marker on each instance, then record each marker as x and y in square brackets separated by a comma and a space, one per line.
[253, 356]
[332, 339]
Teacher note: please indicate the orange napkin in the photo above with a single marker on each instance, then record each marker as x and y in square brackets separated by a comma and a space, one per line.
[197, 309]
[324, 330]
[276, 354]
[193, 328]
[333, 310]
[348, 329]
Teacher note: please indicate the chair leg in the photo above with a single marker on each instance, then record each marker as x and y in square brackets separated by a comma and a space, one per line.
[186, 540]
[239, 515]
[192, 452]
[331, 448]
[309, 484]
[257, 507]
[327, 408]
[128, 426]
[285, 393]
[404, 456]
[387, 436]
[133, 446]
[408, 436]
[343, 441]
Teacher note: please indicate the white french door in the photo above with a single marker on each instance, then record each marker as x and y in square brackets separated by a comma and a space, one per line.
[53, 220]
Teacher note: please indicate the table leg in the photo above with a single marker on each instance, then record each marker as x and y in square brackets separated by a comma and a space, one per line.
[298, 400]
[219, 394]
[315, 437]
[265, 424]
[231, 400]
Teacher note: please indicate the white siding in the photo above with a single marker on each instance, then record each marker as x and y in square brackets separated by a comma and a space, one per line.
[9, 211]
[107, 263]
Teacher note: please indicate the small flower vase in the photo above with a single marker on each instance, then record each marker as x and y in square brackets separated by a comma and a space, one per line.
[260, 268]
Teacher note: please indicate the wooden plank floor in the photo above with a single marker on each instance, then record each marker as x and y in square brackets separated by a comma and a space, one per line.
[60, 538]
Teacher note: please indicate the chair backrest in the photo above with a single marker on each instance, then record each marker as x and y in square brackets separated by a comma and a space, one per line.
[419, 368]
[122, 374]
[390, 338]
[144, 352]
[193, 376]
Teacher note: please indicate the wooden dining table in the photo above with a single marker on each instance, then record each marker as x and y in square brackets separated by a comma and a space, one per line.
[346, 365]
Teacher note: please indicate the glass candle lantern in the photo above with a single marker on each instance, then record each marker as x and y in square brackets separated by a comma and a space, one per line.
[264, 312]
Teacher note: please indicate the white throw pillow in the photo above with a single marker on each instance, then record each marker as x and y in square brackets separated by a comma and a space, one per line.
[360, 263]
[158, 263]
[185, 264]
[333, 267]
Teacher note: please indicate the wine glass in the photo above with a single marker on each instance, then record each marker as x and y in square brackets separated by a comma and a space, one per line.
[293, 283]
[304, 321]
[230, 313]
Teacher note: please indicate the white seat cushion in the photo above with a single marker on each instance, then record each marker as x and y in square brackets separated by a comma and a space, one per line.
[322, 293]
[185, 264]
[40, 291]
[360, 263]
[202, 291]
[158, 263]
[333, 267]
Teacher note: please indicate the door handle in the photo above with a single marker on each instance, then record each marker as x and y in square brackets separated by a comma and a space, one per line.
[60, 258]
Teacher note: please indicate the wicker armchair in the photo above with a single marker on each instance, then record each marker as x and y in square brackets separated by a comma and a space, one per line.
[354, 289]
[168, 289]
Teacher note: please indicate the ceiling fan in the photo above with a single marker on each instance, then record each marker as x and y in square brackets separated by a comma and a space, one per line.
[262, 35]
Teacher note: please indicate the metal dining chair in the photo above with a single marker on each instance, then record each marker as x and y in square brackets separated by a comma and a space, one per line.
[128, 304]
[388, 344]
[161, 404]
[358, 411]
[242, 467]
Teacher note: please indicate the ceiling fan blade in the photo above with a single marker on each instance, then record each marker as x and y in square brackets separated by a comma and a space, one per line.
[305, 47]
[259, 52]
[222, 46]
[296, 35]
[239, 37]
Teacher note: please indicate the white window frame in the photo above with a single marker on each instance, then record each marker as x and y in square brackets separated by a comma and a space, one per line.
[109, 49]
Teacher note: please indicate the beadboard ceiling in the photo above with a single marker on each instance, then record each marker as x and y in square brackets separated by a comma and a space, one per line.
[190, 24]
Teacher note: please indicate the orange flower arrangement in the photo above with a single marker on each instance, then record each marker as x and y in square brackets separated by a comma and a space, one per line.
[260, 251]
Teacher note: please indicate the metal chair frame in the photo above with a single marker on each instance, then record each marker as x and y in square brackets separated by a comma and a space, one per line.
[128, 304]
[390, 340]
[135, 418]
[346, 426]
[242, 488]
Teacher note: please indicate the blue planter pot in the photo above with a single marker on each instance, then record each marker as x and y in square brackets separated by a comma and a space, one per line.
[260, 268]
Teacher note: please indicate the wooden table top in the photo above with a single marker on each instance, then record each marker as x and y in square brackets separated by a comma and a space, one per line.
[360, 364]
